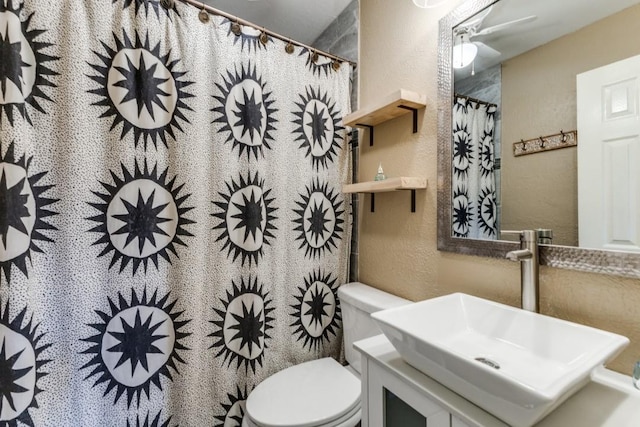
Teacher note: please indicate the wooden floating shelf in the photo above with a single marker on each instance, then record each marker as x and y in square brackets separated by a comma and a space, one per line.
[390, 184]
[387, 109]
[397, 104]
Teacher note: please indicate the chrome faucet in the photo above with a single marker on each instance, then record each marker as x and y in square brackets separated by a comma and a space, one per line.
[527, 255]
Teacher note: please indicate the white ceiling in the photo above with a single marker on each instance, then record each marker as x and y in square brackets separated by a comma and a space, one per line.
[305, 20]
[300, 20]
[555, 18]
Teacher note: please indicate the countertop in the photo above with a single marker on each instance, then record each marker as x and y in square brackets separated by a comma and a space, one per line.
[609, 400]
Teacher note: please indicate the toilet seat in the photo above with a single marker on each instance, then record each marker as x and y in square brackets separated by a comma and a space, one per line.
[317, 393]
[347, 420]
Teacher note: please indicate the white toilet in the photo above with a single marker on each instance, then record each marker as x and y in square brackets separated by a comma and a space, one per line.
[322, 393]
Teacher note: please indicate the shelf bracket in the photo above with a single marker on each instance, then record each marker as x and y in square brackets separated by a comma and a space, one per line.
[413, 201]
[362, 125]
[414, 112]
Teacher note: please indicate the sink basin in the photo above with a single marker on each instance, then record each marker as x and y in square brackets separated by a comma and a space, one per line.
[515, 364]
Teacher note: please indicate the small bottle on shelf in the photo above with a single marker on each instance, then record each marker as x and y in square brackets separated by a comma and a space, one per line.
[380, 175]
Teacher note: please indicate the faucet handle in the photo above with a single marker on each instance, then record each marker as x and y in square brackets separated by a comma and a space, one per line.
[542, 235]
[545, 236]
[525, 235]
[518, 232]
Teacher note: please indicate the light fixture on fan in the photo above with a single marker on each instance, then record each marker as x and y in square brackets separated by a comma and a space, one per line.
[428, 3]
[464, 52]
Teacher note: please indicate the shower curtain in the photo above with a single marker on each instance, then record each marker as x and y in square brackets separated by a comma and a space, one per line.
[171, 218]
[473, 180]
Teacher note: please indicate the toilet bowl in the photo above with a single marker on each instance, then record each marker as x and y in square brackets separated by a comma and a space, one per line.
[322, 392]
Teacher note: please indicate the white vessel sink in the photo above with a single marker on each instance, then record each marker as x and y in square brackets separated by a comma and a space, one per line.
[515, 364]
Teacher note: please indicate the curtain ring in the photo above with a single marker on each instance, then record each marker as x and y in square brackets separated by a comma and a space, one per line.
[264, 37]
[167, 4]
[236, 28]
[314, 57]
[289, 47]
[335, 65]
[203, 15]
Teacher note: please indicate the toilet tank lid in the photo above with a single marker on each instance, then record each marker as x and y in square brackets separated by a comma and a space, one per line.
[367, 298]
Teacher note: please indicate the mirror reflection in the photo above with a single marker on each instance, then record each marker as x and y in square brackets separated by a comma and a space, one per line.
[529, 77]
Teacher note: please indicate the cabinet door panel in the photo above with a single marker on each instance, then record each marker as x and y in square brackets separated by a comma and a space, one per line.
[455, 422]
[420, 411]
[441, 419]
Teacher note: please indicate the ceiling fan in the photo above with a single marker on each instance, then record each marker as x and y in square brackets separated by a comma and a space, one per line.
[465, 49]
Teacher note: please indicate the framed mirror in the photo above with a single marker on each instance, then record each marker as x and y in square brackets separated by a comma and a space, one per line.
[537, 51]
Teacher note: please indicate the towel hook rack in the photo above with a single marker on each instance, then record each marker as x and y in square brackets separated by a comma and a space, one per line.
[546, 143]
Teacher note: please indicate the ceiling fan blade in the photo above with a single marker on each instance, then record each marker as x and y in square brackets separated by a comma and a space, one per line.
[504, 25]
[486, 51]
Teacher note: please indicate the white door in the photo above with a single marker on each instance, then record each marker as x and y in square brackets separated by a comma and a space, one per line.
[609, 156]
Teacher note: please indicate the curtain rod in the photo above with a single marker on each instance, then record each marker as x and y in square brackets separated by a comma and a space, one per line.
[479, 101]
[200, 5]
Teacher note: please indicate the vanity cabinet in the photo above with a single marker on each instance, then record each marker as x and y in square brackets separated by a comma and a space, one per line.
[397, 104]
[394, 394]
[394, 403]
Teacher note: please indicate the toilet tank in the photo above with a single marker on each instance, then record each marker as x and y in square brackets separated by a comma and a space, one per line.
[357, 302]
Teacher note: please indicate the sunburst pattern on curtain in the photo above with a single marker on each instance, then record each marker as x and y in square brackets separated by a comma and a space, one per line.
[172, 226]
[473, 173]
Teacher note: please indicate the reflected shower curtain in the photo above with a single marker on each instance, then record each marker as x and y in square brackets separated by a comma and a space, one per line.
[473, 174]
[171, 218]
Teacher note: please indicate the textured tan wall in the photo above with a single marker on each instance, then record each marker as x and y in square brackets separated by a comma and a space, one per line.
[397, 248]
[538, 99]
